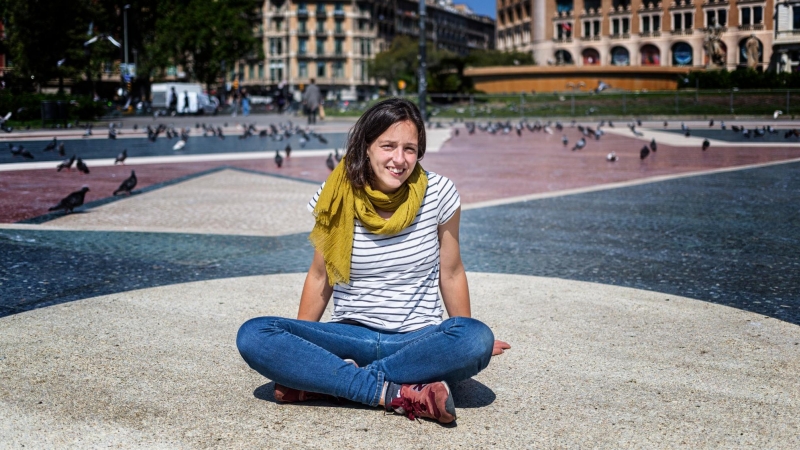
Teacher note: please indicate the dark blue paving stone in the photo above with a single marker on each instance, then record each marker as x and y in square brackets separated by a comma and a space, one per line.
[729, 238]
[42, 268]
[139, 147]
[733, 136]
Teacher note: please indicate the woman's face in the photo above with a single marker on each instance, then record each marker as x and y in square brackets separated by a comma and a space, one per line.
[393, 156]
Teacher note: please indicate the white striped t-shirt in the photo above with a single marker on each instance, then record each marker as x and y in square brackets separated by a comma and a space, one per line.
[394, 279]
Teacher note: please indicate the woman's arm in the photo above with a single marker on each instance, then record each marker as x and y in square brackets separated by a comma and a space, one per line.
[452, 277]
[316, 291]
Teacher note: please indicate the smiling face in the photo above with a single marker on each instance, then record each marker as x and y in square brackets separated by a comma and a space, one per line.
[393, 156]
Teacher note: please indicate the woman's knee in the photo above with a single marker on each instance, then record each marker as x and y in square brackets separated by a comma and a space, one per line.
[252, 333]
[478, 337]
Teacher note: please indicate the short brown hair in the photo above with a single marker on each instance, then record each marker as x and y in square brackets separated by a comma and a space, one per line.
[373, 123]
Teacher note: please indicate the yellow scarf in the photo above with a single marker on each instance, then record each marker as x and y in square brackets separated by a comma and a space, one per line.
[339, 205]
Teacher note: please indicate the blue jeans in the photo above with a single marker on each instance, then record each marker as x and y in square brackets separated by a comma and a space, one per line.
[309, 355]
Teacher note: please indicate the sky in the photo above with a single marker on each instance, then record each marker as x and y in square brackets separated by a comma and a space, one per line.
[482, 7]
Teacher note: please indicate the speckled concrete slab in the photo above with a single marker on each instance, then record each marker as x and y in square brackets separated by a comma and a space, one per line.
[227, 202]
[591, 366]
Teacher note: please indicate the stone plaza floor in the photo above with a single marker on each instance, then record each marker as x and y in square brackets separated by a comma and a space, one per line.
[650, 303]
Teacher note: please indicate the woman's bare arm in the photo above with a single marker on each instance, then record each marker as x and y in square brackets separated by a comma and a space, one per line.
[316, 291]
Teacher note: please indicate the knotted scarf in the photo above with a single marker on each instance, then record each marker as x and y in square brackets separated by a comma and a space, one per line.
[338, 206]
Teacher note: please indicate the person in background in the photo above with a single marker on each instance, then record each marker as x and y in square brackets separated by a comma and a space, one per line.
[311, 100]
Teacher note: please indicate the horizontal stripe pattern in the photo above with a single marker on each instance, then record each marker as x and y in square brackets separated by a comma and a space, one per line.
[394, 279]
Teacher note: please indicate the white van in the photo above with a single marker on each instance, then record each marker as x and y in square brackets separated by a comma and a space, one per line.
[199, 103]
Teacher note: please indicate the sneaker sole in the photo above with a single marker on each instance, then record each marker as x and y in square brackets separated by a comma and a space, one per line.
[449, 404]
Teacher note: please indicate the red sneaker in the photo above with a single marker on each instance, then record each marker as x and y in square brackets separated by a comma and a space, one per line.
[432, 400]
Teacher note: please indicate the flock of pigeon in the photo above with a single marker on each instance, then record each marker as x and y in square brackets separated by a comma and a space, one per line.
[589, 132]
[275, 132]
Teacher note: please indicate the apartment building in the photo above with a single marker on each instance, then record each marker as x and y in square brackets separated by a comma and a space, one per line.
[637, 32]
[787, 36]
[332, 41]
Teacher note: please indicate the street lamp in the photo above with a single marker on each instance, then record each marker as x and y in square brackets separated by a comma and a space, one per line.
[574, 86]
[125, 32]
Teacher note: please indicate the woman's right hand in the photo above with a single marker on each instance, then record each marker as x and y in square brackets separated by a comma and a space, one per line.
[500, 347]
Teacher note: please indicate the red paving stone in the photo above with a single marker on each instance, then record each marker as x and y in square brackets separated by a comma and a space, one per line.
[483, 166]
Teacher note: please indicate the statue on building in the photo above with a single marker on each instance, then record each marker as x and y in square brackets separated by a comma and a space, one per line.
[786, 63]
[714, 47]
[751, 47]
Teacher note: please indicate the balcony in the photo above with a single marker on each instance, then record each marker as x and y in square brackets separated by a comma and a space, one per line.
[621, 36]
[590, 38]
[650, 34]
[686, 32]
[591, 12]
[302, 13]
[338, 13]
[321, 33]
[679, 4]
[752, 27]
[321, 13]
[339, 32]
[562, 40]
[649, 6]
[302, 32]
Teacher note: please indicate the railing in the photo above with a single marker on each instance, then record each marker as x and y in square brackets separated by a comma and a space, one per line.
[621, 36]
[646, 34]
[751, 27]
[302, 12]
[590, 38]
[685, 32]
[562, 40]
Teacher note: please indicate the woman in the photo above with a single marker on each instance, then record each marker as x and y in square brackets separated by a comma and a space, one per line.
[386, 242]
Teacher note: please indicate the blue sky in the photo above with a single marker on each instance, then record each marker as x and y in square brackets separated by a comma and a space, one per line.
[483, 7]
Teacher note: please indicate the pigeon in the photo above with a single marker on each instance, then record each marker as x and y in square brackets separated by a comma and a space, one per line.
[564, 140]
[638, 122]
[337, 155]
[71, 201]
[288, 151]
[579, 145]
[278, 159]
[746, 133]
[112, 133]
[722, 125]
[665, 124]
[687, 133]
[710, 123]
[25, 153]
[329, 162]
[322, 139]
[51, 145]
[66, 164]
[219, 132]
[653, 146]
[776, 114]
[611, 124]
[15, 151]
[87, 131]
[611, 157]
[644, 152]
[706, 144]
[135, 127]
[127, 186]
[82, 166]
[61, 150]
[179, 145]
[456, 132]
[684, 127]
[736, 128]
[121, 157]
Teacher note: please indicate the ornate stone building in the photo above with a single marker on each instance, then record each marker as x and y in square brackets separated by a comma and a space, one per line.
[637, 32]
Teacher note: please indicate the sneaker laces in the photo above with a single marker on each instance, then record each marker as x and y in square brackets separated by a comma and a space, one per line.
[411, 409]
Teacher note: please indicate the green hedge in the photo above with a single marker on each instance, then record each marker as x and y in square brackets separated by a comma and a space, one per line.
[26, 107]
[742, 79]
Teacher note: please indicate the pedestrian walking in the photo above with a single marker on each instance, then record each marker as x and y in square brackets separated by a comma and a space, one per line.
[311, 101]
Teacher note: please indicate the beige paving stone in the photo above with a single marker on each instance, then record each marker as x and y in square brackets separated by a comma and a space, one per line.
[592, 366]
[225, 202]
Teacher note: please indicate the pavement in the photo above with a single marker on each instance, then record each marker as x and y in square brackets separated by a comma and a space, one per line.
[649, 303]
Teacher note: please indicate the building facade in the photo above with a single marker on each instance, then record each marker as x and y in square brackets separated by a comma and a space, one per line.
[637, 32]
[787, 36]
[332, 41]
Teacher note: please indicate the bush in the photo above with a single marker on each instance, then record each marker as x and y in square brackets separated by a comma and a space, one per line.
[742, 78]
[28, 106]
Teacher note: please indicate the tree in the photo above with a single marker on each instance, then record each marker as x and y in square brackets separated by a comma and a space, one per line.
[203, 36]
[42, 33]
[484, 58]
[400, 62]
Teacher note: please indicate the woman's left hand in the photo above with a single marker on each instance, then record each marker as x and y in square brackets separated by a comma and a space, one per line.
[500, 347]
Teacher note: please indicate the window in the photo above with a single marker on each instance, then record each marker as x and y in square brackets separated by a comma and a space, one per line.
[320, 46]
[277, 24]
[302, 46]
[751, 15]
[563, 6]
[320, 26]
[682, 21]
[275, 46]
[650, 23]
[591, 28]
[301, 26]
[716, 17]
[302, 7]
[261, 71]
[338, 69]
[339, 28]
[338, 46]
[620, 26]
[563, 31]
[320, 69]
[796, 17]
[302, 69]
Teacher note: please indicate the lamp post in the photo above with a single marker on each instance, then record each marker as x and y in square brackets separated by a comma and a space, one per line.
[125, 31]
[422, 87]
[574, 86]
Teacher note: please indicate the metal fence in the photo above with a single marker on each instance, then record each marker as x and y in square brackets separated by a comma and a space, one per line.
[700, 103]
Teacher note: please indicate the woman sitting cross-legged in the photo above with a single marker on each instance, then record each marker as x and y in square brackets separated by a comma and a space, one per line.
[386, 240]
